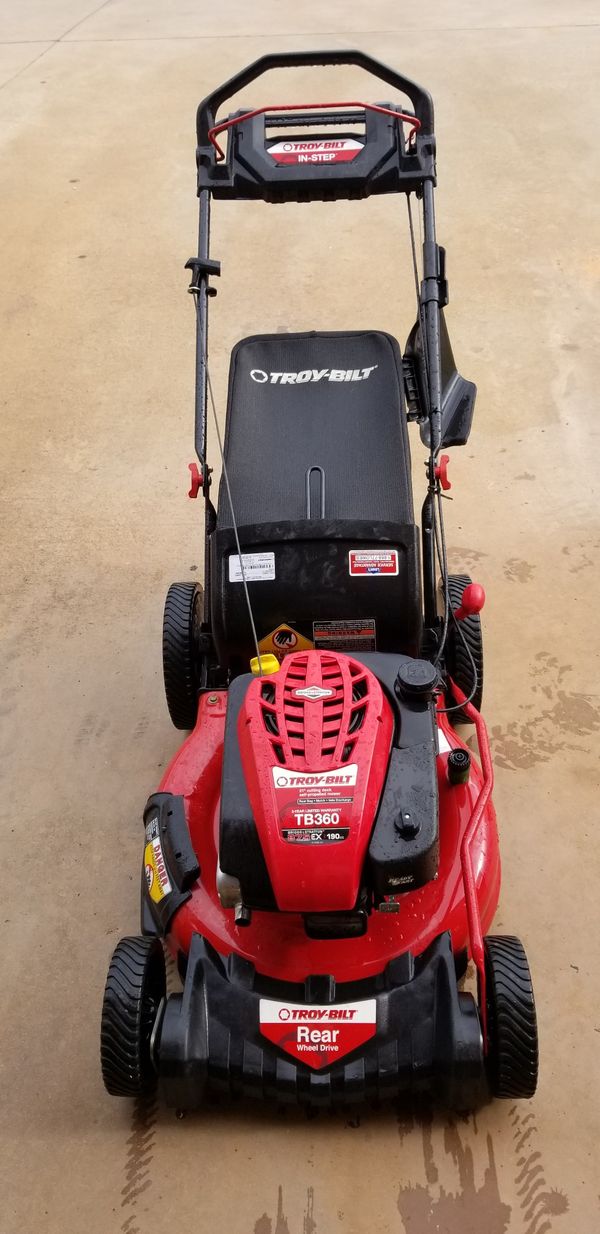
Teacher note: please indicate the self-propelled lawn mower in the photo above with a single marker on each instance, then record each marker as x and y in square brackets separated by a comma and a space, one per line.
[321, 857]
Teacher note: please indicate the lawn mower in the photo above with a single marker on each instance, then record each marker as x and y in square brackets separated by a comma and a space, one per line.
[321, 857]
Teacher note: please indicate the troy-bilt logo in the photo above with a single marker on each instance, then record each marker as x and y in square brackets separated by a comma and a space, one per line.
[313, 693]
[318, 1036]
[318, 1013]
[339, 776]
[321, 150]
[311, 374]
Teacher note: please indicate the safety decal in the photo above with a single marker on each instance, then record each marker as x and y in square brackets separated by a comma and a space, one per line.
[373, 561]
[157, 878]
[315, 807]
[320, 150]
[282, 640]
[359, 635]
[318, 1036]
[258, 567]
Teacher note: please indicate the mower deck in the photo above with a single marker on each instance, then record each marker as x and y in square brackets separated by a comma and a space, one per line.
[234, 1034]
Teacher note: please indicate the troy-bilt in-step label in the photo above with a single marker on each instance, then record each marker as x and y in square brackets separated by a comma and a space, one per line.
[319, 150]
[318, 1036]
[315, 805]
[373, 561]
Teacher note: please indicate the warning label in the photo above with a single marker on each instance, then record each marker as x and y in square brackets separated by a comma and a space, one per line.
[373, 561]
[283, 640]
[157, 878]
[345, 635]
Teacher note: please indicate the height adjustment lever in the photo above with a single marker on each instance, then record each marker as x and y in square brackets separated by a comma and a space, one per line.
[202, 266]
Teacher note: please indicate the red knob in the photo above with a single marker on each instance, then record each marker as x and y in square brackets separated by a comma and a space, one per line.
[195, 480]
[441, 471]
[472, 601]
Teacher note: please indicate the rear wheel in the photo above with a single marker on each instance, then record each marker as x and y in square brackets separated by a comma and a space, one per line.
[459, 663]
[182, 614]
[512, 1057]
[135, 988]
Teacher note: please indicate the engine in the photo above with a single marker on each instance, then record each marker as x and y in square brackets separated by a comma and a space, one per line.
[329, 794]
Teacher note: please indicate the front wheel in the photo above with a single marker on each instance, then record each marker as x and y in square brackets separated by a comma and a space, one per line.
[512, 1056]
[135, 987]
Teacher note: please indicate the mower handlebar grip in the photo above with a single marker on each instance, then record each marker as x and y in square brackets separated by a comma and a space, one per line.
[208, 108]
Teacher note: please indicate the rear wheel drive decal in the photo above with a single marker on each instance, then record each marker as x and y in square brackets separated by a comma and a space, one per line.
[318, 1036]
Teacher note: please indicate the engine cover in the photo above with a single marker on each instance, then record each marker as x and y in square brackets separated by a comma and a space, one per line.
[315, 741]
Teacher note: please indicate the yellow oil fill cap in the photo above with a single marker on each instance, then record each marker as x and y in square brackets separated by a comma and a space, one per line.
[265, 666]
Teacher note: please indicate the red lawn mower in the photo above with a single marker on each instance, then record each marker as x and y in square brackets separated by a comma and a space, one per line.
[321, 857]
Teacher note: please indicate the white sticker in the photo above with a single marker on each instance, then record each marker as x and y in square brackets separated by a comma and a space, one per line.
[257, 567]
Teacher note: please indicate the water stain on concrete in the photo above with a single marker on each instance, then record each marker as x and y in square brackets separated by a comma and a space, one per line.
[140, 1147]
[518, 571]
[538, 1202]
[544, 730]
[264, 1224]
[470, 1208]
[463, 560]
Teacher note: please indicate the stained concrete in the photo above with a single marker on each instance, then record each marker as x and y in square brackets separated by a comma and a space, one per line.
[99, 214]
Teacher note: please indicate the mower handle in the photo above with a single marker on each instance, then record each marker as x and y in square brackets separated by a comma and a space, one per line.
[208, 108]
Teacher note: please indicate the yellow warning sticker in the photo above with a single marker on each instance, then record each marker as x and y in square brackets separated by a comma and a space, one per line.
[284, 640]
[157, 878]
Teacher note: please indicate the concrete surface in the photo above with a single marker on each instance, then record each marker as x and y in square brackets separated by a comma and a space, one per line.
[99, 214]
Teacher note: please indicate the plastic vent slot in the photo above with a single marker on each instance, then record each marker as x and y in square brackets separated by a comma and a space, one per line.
[289, 721]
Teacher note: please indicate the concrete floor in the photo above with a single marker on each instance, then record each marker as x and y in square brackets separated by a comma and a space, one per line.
[99, 215]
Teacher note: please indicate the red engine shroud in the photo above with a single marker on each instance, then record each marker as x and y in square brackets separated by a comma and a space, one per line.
[276, 943]
[315, 741]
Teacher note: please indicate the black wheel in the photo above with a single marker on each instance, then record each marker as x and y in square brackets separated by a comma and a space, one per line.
[135, 986]
[512, 1059]
[183, 611]
[458, 663]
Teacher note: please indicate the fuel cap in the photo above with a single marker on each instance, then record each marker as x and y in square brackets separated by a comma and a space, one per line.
[416, 679]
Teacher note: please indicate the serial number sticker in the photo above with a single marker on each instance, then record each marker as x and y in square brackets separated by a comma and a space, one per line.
[258, 567]
[369, 562]
[359, 635]
[318, 1036]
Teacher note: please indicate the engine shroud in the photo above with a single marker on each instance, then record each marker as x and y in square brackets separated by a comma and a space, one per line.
[315, 741]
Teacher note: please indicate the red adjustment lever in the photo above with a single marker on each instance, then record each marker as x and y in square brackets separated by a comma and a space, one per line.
[196, 480]
[472, 601]
[441, 471]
